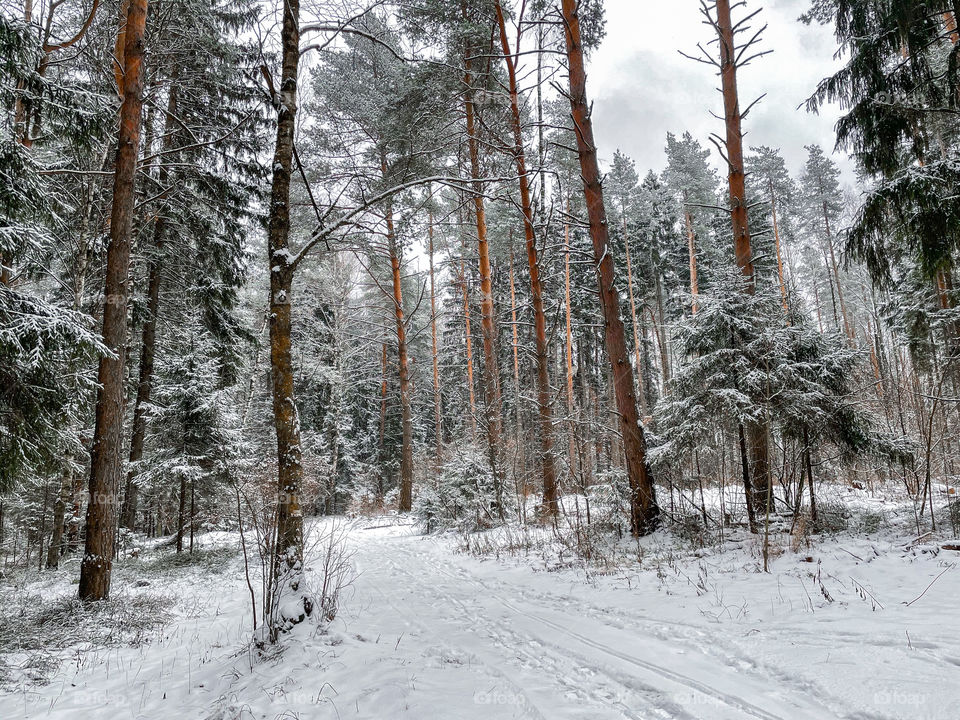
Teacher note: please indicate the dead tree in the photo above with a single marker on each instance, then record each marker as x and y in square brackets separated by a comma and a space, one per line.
[734, 55]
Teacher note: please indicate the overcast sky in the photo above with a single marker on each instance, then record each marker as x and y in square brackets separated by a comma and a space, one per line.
[643, 88]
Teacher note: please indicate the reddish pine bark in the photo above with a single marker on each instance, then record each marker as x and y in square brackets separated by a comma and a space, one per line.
[469, 337]
[97, 563]
[148, 342]
[406, 421]
[536, 287]
[437, 405]
[644, 511]
[491, 371]
[756, 431]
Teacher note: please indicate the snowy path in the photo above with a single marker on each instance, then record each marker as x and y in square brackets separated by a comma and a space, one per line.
[430, 634]
[532, 645]
[535, 653]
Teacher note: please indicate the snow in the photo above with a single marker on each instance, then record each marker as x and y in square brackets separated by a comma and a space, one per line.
[427, 631]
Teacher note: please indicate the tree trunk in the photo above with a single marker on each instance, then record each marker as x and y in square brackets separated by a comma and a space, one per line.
[641, 390]
[59, 513]
[437, 398]
[776, 240]
[288, 561]
[469, 336]
[950, 23]
[756, 431]
[747, 483]
[643, 511]
[571, 422]
[536, 287]
[105, 468]
[661, 332]
[809, 468]
[383, 398]
[181, 514]
[518, 402]
[128, 512]
[193, 489]
[491, 372]
[836, 276]
[406, 450]
[692, 251]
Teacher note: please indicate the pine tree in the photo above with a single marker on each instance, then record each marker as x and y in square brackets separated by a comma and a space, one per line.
[105, 455]
[643, 509]
[822, 203]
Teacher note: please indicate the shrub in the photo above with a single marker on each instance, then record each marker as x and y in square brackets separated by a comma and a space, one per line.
[464, 496]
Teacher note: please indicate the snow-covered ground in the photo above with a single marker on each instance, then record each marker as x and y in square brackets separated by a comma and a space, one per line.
[850, 628]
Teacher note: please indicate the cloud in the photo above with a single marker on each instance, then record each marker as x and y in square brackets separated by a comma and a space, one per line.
[643, 88]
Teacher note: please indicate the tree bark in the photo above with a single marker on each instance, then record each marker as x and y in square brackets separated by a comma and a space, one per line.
[568, 345]
[692, 251]
[644, 511]
[836, 277]
[181, 514]
[491, 372]
[288, 561]
[776, 240]
[809, 468]
[536, 286]
[148, 340]
[756, 431]
[641, 390]
[59, 513]
[748, 491]
[437, 398]
[518, 402]
[95, 569]
[406, 422]
[469, 337]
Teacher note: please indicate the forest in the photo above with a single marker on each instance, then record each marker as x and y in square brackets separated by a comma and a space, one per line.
[323, 308]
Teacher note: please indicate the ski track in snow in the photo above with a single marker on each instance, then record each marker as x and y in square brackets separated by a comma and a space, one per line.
[568, 653]
[428, 633]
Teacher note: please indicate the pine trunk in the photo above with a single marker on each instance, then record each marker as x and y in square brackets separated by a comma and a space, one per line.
[59, 513]
[571, 422]
[692, 252]
[643, 511]
[437, 399]
[97, 563]
[756, 431]
[469, 337]
[536, 287]
[847, 329]
[776, 240]
[128, 511]
[641, 390]
[491, 372]
[406, 450]
[181, 514]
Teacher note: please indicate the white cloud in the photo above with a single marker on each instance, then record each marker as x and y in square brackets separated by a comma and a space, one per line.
[643, 88]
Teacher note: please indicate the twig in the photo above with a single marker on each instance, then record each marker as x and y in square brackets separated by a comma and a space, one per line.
[949, 567]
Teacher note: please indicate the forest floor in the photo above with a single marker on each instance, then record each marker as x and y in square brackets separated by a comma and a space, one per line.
[851, 626]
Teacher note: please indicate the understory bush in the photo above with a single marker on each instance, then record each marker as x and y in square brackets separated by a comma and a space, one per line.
[464, 496]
